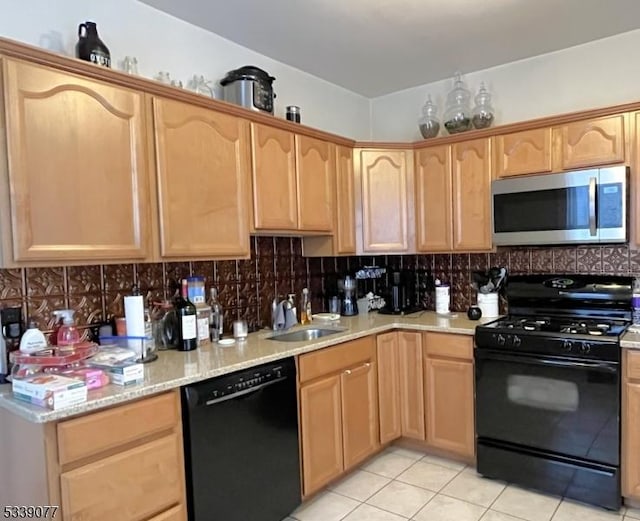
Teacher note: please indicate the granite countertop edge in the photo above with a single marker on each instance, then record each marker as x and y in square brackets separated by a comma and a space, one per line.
[174, 369]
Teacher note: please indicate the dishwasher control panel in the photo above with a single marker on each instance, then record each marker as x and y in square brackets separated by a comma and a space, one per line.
[241, 382]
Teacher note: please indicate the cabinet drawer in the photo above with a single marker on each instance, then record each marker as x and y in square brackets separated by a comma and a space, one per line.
[95, 433]
[134, 485]
[174, 514]
[449, 345]
[334, 359]
[633, 364]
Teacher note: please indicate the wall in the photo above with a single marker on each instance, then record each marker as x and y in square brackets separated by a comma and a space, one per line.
[592, 75]
[162, 42]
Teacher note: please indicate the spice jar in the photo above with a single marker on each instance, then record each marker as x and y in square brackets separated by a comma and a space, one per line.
[429, 124]
[457, 116]
[483, 111]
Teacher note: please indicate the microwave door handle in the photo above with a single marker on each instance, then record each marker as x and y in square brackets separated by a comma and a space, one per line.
[593, 231]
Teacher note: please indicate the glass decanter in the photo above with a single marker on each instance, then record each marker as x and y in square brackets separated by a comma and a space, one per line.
[457, 116]
[429, 123]
[483, 113]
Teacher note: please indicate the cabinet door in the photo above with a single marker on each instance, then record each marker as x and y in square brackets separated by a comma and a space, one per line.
[631, 440]
[385, 203]
[274, 178]
[527, 152]
[434, 218]
[178, 513]
[593, 142]
[78, 172]
[472, 195]
[449, 405]
[202, 161]
[359, 413]
[321, 431]
[388, 387]
[134, 485]
[345, 226]
[411, 384]
[315, 164]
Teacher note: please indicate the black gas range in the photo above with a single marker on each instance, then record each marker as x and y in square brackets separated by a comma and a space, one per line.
[548, 386]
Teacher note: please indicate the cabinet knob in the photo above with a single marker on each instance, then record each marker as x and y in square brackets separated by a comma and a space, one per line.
[347, 372]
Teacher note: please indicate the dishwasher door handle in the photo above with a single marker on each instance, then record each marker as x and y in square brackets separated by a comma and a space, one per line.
[244, 392]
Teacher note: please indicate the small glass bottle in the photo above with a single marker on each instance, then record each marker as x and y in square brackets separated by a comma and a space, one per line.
[429, 124]
[483, 111]
[216, 320]
[305, 308]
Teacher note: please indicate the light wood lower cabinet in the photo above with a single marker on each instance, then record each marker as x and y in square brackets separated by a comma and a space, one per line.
[124, 463]
[448, 393]
[631, 424]
[411, 384]
[389, 386]
[400, 385]
[338, 410]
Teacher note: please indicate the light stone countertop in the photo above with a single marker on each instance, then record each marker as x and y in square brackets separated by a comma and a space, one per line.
[631, 339]
[174, 368]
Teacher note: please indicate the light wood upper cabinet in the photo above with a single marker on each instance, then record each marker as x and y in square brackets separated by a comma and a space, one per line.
[78, 176]
[388, 387]
[275, 204]
[359, 413]
[203, 168]
[593, 142]
[434, 217]
[472, 195]
[321, 431]
[315, 167]
[345, 225]
[527, 152]
[448, 393]
[411, 384]
[386, 205]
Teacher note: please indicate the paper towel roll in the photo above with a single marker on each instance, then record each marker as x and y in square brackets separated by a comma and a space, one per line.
[134, 315]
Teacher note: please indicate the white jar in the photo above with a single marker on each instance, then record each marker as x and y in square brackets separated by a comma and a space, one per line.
[443, 299]
[488, 304]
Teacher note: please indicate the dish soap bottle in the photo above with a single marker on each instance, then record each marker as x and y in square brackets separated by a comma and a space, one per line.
[68, 334]
[33, 340]
[305, 312]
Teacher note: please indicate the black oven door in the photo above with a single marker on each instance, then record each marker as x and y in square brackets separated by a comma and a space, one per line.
[564, 406]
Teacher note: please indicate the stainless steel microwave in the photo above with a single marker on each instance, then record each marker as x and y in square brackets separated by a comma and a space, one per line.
[586, 206]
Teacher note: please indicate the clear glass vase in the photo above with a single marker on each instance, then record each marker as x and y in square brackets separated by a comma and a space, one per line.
[429, 123]
[457, 115]
[483, 113]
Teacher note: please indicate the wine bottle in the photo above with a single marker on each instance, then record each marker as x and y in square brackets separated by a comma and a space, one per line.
[187, 330]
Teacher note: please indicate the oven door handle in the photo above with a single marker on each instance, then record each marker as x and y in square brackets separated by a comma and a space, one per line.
[607, 367]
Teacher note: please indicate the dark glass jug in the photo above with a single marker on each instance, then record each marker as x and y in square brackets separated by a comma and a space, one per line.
[90, 47]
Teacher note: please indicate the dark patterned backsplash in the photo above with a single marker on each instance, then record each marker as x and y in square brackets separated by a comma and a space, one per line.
[276, 268]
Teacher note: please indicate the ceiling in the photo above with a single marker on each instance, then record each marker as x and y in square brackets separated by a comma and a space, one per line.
[374, 47]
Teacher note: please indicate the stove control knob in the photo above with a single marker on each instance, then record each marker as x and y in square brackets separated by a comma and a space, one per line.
[516, 341]
[585, 348]
[567, 345]
[501, 340]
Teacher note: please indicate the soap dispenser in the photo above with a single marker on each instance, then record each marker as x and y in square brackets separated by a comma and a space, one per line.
[68, 334]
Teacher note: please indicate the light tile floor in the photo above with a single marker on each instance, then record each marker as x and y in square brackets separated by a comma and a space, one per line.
[402, 484]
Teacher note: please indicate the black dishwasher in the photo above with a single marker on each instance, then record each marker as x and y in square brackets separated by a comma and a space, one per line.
[241, 445]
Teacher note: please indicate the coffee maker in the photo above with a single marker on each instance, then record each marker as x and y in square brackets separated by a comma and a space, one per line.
[402, 293]
[349, 299]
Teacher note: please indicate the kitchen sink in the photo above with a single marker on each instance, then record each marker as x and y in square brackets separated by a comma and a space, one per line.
[304, 334]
